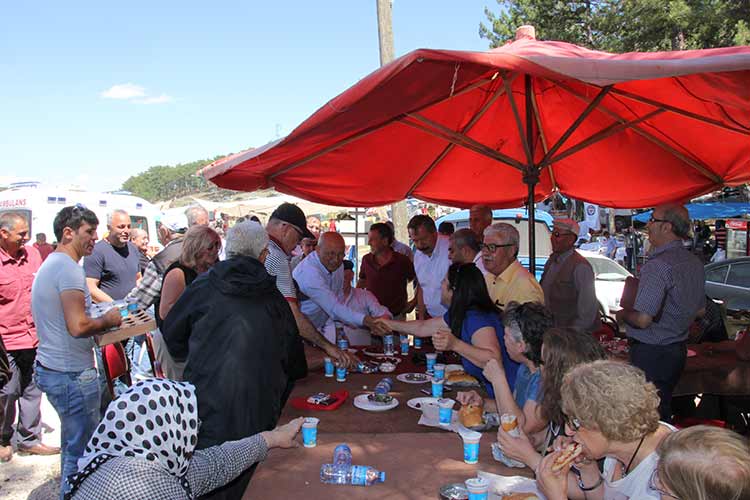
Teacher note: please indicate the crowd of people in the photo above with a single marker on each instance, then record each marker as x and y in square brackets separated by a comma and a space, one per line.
[234, 316]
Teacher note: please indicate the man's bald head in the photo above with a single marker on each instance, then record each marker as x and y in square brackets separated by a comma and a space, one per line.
[480, 217]
[331, 250]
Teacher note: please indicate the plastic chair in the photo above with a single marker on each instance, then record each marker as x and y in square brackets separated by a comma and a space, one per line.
[116, 365]
[158, 373]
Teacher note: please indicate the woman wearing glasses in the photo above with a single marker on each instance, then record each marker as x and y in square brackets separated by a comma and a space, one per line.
[612, 413]
[471, 327]
[525, 325]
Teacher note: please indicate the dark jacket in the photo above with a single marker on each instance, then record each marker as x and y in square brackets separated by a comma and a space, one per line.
[242, 347]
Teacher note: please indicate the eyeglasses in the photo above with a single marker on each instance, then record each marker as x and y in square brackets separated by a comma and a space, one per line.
[491, 247]
[557, 234]
[655, 484]
[654, 219]
[573, 423]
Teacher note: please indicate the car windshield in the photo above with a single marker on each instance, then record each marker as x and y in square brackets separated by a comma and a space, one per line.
[607, 270]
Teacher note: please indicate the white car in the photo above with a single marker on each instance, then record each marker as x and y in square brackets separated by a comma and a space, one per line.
[610, 280]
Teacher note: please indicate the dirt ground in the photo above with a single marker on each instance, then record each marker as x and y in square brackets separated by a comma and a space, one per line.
[33, 477]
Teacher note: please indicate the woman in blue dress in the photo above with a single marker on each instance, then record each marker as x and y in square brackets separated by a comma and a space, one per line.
[472, 327]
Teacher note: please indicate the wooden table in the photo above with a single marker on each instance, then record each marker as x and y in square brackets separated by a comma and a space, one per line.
[715, 370]
[417, 459]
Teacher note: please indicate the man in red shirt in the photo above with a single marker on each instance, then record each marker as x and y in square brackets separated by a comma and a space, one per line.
[385, 272]
[18, 265]
[41, 244]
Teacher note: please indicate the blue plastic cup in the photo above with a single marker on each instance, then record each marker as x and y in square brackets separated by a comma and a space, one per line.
[478, 488]
[471, 446]
[404, 345]
[439, 370]
[329, 367]
[437, 388]
[310, 432]
[430, 357]
[340, 374]
[417, 343]
[446, 411]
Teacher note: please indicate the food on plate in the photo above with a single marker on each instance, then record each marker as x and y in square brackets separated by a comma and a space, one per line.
[460, 377]
[520, 496]
[380, 398]
[569, 453]
[470, 415]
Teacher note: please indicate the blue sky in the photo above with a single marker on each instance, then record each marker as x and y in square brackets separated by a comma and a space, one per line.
[93, 92]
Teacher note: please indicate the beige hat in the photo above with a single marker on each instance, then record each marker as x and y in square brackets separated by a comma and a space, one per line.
[568, 225]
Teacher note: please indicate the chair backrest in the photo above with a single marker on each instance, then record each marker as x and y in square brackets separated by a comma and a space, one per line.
[116, 365]
[158, 373]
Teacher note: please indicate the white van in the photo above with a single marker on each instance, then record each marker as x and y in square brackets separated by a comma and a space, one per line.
[40, 204]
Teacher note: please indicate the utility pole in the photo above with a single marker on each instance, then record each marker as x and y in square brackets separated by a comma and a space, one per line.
[399, 212]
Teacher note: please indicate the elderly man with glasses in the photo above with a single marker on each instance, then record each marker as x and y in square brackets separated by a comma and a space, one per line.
[670, 296]
[568, 281]
[507, 279]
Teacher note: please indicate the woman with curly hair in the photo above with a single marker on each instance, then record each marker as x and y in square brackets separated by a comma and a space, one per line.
[562, 350]
[611, 411]
[703, 463]
[525, 325]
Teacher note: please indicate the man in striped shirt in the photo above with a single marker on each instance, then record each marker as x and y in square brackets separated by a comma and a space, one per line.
[286, 228]
[670, 296]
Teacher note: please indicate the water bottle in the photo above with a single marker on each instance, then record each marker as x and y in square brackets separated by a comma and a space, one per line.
[384, 386]
[342, 455]
[358, 475]
[388, 345]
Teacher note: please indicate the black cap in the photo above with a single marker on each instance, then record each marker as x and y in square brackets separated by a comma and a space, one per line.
[348, 265]
[292, 214]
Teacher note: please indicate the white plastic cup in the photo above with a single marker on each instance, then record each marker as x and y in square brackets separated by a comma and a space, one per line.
[330, 369]
[478, 487]
[430, 357]
[446, 411]
[471, 446]
[310, 432]
[439, 370]
[437, 388]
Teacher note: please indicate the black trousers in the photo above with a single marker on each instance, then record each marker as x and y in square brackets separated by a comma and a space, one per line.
[663, 365]
[21, 389]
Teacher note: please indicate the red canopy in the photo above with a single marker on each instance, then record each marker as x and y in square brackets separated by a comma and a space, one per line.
[620, 130]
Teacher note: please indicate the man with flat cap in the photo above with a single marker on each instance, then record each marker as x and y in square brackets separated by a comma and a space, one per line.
[286, 228]
[568, 281]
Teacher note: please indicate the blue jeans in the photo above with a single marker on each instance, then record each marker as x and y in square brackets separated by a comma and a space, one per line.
[75, 396]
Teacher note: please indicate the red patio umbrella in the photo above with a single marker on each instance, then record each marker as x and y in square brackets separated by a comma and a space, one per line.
[518, 122]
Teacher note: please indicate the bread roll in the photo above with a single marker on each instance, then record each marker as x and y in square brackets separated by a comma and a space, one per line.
[569, 454]
[470, 415]
[458, 376]
[520, 496]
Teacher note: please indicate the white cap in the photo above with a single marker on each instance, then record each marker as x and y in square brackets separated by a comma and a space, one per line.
[176, 222]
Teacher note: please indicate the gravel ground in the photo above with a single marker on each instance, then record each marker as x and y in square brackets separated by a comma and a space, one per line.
[34, 477]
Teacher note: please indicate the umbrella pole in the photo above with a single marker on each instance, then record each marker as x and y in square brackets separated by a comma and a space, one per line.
[531, 176]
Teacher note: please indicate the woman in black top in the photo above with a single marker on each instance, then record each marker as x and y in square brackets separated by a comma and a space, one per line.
[200, 251]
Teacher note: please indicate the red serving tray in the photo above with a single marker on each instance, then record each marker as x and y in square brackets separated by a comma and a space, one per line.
[302, 404]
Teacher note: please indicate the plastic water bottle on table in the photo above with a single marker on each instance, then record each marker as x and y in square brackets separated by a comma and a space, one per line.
[357, 475]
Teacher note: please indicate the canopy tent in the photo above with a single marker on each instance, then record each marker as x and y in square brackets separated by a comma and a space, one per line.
[703, 211]
[518, 123]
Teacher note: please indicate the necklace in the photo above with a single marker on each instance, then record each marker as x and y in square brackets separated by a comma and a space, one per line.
[627, 469]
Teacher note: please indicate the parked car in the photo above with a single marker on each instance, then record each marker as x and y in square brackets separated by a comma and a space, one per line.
[729, 281]
[609, 281]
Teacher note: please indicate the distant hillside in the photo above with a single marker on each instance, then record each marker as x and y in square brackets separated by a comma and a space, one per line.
[165, 182]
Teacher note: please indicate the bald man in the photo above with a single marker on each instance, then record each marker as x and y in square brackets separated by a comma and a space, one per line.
[320, 277]
[480, 218]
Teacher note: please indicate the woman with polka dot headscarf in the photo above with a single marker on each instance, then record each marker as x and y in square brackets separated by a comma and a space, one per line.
[144, 447]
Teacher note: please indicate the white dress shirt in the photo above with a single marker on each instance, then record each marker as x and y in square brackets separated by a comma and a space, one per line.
[431, 269]
[323, 293]
[363, 301]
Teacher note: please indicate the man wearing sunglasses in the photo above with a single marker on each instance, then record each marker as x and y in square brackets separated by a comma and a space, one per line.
[507, 280]
[568, 281]
[670, 296]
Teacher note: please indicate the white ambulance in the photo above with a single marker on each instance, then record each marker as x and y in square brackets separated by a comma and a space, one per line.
[40, 204]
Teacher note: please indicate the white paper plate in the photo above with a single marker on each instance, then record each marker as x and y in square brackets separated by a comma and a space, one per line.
[404, 377]
[418, 403]
[363, 403]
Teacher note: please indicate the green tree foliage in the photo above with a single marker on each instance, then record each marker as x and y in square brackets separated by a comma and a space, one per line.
[163, 182]
[625, 25]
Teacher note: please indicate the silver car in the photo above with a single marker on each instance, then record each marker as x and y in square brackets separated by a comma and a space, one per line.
[729, 281]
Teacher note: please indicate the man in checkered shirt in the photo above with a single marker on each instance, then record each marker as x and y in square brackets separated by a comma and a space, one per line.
[670, 296]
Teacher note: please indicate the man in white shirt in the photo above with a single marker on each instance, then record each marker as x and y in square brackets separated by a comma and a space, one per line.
[465, 248]
[320, 277]
[356, 299]
[431, 265]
